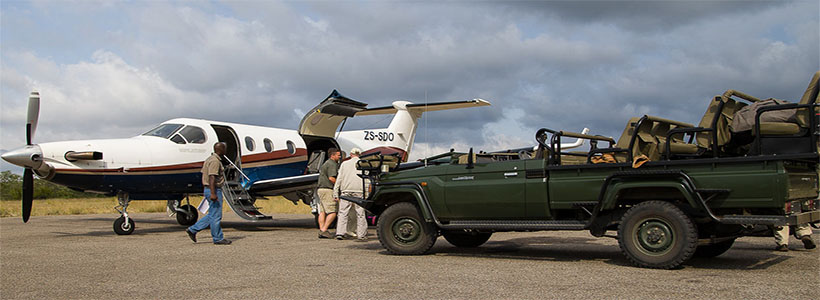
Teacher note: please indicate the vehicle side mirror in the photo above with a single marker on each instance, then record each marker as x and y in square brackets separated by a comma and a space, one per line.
[470, 162]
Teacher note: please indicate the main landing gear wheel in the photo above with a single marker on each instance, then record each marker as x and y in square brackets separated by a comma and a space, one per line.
[123, 228]
[188, 217]
[657, 234]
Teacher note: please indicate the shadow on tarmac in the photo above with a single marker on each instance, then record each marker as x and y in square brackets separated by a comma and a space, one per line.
[170, 225]
[581, 249]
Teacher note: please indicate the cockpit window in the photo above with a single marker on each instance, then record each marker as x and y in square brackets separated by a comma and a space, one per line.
[193, 134]
[164, 130]
[178, 139]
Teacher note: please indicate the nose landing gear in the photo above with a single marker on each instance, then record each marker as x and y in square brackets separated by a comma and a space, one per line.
[123, 225]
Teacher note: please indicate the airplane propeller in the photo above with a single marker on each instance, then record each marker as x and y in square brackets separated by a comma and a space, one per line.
[28, 174]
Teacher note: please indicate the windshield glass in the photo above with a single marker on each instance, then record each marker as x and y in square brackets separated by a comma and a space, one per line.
[164, 130]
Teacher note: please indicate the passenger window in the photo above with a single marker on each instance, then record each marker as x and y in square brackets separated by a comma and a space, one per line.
[268, 145]
[249, 143]
[193, 134]
[178, 139]
[291, 148]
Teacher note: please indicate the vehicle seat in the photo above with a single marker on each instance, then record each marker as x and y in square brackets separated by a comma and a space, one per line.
[660, 131]
[477, 158]
[713, 131]
[791, 137]
[802, 115]
[624, 140]
[579, 159]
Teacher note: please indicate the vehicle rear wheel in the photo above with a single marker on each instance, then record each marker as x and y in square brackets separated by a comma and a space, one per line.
[714, 249]
[657, 234]
[403, 231]
[466, 239]
[189, 217]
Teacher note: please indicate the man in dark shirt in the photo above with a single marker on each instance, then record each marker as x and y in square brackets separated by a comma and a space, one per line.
[212, 180]
[327, 203]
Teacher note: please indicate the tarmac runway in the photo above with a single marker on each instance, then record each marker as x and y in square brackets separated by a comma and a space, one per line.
[81, 257]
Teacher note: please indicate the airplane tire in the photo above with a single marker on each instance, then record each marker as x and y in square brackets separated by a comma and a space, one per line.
[188, 218]
[121, 228]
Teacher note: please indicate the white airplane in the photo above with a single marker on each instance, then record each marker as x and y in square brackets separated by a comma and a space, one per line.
[164, 163]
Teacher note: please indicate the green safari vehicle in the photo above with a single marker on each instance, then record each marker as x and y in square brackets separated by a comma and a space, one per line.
[670, 189]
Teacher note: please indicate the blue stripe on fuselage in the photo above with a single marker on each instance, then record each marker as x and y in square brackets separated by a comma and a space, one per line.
[165, 186]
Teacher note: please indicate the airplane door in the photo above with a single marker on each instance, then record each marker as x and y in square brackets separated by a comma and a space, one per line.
[228, 136]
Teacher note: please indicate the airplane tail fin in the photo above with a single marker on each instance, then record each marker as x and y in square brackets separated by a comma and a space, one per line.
[400, 135]
[407, 114]
[323, 121]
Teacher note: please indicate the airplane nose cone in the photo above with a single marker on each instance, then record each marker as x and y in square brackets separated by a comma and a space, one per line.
[28, 156]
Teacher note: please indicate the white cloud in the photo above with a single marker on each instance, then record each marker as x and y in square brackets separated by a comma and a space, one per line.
[554, 65]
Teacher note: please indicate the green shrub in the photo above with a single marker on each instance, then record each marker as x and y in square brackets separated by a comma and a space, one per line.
[11, 188]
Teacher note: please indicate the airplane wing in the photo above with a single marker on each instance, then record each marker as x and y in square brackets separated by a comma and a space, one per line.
[284, 185]
[422, 107]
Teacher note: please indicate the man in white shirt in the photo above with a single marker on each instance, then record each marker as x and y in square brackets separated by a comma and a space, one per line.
[349, 184]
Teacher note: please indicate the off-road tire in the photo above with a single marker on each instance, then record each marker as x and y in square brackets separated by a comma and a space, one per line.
[714, 249]
[658, 235]
[189, 217]
[466, 239]
[403, 231]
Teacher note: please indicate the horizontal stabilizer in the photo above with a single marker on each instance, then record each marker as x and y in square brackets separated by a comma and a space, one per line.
[424, 107]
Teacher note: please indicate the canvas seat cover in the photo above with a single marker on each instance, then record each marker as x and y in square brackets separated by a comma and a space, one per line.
[744, 119]
[781, 122]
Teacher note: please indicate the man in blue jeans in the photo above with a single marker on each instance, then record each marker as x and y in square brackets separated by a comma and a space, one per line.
[212, 179]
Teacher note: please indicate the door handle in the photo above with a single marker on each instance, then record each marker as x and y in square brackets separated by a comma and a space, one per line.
[510, 174]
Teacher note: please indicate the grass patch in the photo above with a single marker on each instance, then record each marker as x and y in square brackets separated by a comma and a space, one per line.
[82, 206]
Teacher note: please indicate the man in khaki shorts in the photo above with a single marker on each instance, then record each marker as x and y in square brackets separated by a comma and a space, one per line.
[327, 204]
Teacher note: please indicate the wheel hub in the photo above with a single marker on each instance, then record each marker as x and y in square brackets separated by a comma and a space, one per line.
[655, 236]
[406, 230]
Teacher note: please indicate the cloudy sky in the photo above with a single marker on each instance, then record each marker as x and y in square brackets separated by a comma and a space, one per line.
[116, 68]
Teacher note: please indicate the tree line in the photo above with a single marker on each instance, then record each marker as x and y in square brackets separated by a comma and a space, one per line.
[11, 188]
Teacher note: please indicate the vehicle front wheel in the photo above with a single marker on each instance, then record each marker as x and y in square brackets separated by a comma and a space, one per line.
[714, 249]
[657, 234]
[403, 231]
[466, 239]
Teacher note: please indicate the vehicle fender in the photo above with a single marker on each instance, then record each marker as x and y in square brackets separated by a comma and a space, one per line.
[613, 192]
[385, 195]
